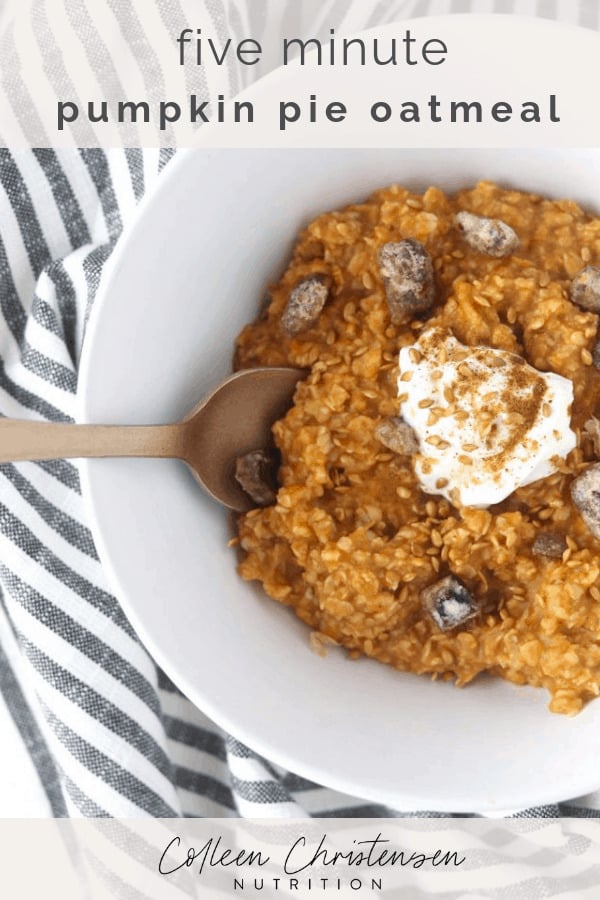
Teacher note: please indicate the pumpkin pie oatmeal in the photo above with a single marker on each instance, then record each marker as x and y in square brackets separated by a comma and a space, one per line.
[438, 506]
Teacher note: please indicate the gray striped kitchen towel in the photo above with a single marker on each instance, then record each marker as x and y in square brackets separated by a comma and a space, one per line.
[97, 727]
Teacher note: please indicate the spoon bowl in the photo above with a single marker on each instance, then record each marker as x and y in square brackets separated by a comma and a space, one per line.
[233, 419]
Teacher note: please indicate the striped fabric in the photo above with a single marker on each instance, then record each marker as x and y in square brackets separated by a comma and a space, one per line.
[101, 731]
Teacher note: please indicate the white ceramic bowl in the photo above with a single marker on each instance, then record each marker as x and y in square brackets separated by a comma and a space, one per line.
[185, 279]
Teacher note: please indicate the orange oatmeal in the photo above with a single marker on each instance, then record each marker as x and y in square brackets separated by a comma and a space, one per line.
[352, 542]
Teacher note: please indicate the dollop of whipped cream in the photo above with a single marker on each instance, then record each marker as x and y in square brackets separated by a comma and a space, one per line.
[486, 421]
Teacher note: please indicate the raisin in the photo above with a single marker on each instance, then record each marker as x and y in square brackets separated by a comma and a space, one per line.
[304, 306]
[254, 472]
[585, 492]
[585, 290]
[449, 603]
[396, 435]
[550, 544]
[490, 236]
[407, 272]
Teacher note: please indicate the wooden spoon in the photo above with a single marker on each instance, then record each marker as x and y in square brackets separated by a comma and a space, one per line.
[232, 420]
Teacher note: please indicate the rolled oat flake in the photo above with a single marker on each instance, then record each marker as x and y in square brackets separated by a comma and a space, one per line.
[407, 272]
[585, 291]
[449, 603]
[490, 236]
[304, 306]
[585, 492]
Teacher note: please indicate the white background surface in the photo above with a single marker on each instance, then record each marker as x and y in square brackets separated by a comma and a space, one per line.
[19, 788]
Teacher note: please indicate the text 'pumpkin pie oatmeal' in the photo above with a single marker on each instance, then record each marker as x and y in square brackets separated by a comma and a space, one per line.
[438, 506]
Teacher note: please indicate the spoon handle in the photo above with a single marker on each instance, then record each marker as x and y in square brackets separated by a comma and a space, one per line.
[22, 440]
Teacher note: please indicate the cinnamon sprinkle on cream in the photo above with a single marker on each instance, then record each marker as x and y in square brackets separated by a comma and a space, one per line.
[505, 424]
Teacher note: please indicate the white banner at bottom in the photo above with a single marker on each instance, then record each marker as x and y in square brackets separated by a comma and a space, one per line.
[259, 858]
